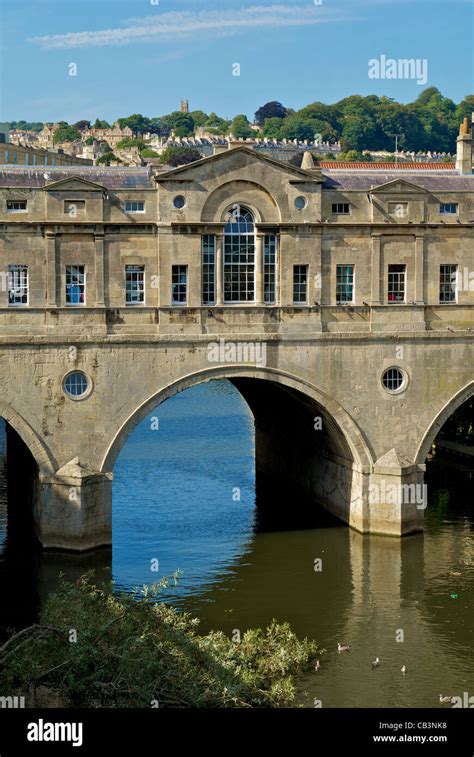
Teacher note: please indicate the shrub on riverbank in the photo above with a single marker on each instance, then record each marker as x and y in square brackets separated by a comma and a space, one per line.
[134, 652]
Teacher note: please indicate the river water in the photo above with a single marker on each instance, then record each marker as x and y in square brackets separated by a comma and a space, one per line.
[184, 499]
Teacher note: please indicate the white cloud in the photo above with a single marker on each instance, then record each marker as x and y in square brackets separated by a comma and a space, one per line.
[175, 25]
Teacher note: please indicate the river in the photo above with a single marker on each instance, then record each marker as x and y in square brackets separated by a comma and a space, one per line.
[184, 495]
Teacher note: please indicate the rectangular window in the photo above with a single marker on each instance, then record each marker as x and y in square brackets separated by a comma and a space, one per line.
[345, 284]
[208, 269]
[239, 267]
[27, 158]
[340, 208]
[396, 283]
[16, 206]
[134, 206]
[134, 284]
[448, 209]
[18, 285]
[73, 208]
[448, 283]
[269, 268]
[75, 285]
[179, 284]
[7, 156]
[300, 284]
[14, 156]
[398, 209]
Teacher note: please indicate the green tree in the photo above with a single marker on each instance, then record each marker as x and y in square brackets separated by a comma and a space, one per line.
[240, 127]
[273, 127]
[216, 125]
[137, 123]
[66, 134]
[178, 156]
[181, 123]
[107, 158]
[271, 109]
[101, 124]
[147, 152]
[199, 117]
[122, 144]
[296, 127]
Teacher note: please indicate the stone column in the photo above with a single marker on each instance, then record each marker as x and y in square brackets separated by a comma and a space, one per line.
[219, 269]
[74, 508]
[99, 270]
[52, 273]
[377, 276]
[419, 269]
[259, 269]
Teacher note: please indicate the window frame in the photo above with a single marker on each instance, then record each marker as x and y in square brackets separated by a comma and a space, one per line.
[342, 284]
[305, 266]
[208, 269]
[448, 284]
[129, 290]
[448, 212]
[18, 268]
[270, 269]
[82, 286]
[335, 208]
[239, 276]
[134, 202]
[404, 279]
[16, 202]
[178, 302]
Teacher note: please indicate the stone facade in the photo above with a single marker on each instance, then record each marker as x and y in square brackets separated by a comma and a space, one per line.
[324, 358]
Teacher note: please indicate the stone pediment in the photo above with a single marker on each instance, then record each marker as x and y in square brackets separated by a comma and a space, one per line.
[397, 187]
[236, 160]
[74, 184]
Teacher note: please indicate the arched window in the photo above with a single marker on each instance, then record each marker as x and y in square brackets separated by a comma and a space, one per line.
[239, 256]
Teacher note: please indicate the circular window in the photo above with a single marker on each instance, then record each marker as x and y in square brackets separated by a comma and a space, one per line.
[394, 380]
[76, 385]
[301, 202]
[179, 202]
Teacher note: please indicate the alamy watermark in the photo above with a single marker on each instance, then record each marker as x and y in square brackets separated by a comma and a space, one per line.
[399, 494]
[237, 352]
[399, 68]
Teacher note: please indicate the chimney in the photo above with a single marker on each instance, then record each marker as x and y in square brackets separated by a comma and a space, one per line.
[464, 148]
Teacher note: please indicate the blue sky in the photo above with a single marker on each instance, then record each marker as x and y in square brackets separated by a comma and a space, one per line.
[143, 55]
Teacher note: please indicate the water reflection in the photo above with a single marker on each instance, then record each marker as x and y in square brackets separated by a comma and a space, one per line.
[408, 601]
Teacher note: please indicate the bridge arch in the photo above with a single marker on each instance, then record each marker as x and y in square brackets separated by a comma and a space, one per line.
[440, 419]
[38, 449]
[335, 413]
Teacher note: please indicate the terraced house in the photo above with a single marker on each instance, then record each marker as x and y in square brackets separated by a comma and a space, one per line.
[358, 279]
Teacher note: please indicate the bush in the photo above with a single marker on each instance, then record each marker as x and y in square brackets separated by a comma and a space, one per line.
[107, 158]
[179, 156]
[132, 651]
[148, 153]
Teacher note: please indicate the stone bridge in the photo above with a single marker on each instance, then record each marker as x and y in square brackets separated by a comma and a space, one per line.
[325, 425]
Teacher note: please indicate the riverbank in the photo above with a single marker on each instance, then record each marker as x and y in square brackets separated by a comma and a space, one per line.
[91, 648]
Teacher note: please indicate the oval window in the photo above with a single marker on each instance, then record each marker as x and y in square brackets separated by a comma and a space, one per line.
[76, 385]
[393, 380]
[179, 202]
[301, 202]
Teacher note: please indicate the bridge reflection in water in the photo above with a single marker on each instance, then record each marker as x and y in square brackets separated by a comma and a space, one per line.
[173, 500]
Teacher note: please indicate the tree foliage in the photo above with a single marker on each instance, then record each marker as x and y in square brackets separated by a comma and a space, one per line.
[134, 652]
[271, 109]
[179, 156]
[66, 134]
